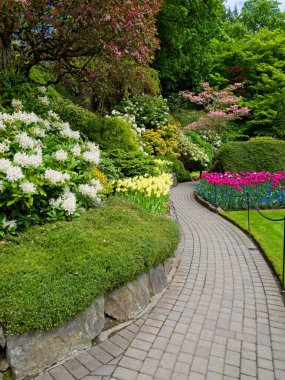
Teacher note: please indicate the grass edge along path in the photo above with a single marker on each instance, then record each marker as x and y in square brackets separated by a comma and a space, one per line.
[269, 235]
[53, 272]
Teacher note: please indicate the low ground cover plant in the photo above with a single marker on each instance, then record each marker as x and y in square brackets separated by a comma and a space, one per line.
[232, 191]
[152, 193]
[50, 273]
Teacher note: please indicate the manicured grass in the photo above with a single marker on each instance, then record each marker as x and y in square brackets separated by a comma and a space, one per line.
[268, 234]
[52, 272]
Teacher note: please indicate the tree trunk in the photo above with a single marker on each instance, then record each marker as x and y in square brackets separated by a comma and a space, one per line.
[6, 54]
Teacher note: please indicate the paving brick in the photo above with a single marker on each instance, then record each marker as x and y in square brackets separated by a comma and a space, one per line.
[60, 373]
[76, 369]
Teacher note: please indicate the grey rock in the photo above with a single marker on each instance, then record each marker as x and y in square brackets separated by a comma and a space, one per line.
[1, 376]
[4, 365]
[31, 353]
[2, 338]
[157, 279]
[129, 300]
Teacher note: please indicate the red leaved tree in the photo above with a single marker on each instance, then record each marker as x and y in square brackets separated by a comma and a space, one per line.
[62, 31]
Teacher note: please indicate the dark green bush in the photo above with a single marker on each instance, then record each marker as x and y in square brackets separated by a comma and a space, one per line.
[182, 174]
[131, 164]
[110, 133]
[254, 155]
[53, 272]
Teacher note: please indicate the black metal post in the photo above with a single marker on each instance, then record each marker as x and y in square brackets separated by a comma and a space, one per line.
[283, 271]
[248, 213]
[216, 195]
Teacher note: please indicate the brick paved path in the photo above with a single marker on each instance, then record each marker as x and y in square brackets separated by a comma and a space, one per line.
[221, 318]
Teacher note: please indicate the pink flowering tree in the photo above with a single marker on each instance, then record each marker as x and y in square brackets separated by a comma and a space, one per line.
[221, 106]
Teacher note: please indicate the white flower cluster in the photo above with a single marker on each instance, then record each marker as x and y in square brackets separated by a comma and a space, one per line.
[25, 141]
[28, 187]
[55, 177]
[92, 155]
[66, 131]
[14, 173]
[9, 224]
[44, 100]
[25, 160]
[67, 202]
[5, 146]
[61, 155]
[29, 165]
[17, 104]
[76, 150]
[91, 191]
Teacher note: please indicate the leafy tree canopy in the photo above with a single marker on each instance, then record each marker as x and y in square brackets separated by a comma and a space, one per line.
[186, 28]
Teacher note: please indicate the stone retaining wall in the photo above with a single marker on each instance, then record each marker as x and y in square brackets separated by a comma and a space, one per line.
[31, 353]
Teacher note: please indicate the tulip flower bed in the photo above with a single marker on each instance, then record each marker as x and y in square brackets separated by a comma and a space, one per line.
[231, 191]
[152, 193]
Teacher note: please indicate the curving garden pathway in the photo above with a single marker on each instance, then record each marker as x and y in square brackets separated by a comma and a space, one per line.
[222, 317]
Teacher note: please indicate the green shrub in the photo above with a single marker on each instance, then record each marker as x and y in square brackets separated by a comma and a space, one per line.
[254, 155]
[150, 112]
[131, 164]
[53, 272]
[182, 174]
[110, 133]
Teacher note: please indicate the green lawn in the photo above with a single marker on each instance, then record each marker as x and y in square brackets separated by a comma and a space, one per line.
[52, 272]
[268, 234]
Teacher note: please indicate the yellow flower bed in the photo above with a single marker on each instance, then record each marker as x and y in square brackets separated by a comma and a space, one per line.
[151, 193]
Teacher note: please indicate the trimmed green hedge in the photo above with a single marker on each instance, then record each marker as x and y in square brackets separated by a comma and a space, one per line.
[254, 155]
[110, 133]
[53, 272]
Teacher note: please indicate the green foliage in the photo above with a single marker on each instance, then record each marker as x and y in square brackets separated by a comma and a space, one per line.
[52, 273]
[254, 155]
[182, 174]
[259, 60]
[131, 164]
[185, 29]
[110, 133]
[257, 14]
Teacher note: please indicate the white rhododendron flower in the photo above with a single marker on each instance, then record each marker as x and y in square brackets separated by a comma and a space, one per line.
[38, 132]
[25, 160]
[44, 100]
[67, 201]
[25, 141]
[5, 146]
[53, 115]
[4, 164]
[2, 126]
[28, 187]
[17, 104]
[66, 131]
[55, 177]
[61, 155]
[14, 173]
[89, 191]
[9, 224]
[93, 154]
[76, 150]
[42, 89]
